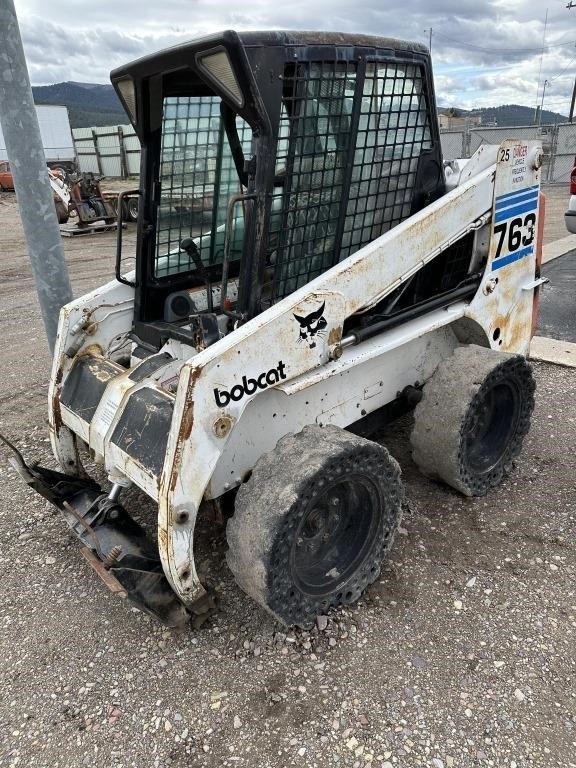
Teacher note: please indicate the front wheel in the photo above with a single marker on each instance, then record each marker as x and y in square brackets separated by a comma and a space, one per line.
[473, 417]
[314, 522]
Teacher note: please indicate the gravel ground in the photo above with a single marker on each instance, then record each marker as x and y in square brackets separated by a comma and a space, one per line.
[461, 654]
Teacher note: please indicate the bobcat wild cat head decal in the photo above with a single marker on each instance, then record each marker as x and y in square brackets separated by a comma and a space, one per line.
[312, 325]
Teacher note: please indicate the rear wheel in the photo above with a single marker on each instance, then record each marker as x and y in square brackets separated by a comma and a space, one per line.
[473, 417]
[130, 209]
[313, 523]
[61, 212]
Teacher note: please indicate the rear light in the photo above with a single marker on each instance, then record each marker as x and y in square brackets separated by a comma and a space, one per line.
[573, 181]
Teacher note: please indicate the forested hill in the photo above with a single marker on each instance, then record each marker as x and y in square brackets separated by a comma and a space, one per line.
[91, 104]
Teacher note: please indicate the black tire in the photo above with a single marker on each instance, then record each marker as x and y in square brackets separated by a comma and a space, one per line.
[472, 419]
[130, 209]
[61, 212]
[313, 523]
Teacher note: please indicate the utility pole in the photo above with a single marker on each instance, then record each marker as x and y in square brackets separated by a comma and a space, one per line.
[540, 68]
[28, 165]
[542, 102]
[569, 6]
[429, 39]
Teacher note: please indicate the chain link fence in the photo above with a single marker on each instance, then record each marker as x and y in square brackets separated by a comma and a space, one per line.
[558, 143]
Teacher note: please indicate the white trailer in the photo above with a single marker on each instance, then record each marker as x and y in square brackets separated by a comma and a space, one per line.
[56, 135]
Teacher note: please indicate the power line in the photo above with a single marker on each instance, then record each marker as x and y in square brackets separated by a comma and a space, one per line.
[503, 50]
[563, 70]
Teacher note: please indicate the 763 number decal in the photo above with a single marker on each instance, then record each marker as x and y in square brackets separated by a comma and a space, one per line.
[515, 233]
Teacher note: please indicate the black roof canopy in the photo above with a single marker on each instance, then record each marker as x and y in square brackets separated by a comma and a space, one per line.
[174, 70]
[178, 55]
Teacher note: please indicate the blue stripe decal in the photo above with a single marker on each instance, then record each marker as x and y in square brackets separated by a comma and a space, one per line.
[507, 213]
[512, 257]
[518, 192]
[514, 200]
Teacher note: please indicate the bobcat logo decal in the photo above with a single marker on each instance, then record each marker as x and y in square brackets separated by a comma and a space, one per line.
[312, 325]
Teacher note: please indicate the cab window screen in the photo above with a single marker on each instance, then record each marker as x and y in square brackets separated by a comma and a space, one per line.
[348, 151]
[197, 177]
[312, 154]
[393, 130]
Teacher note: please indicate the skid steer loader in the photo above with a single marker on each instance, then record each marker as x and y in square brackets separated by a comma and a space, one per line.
[306, 269]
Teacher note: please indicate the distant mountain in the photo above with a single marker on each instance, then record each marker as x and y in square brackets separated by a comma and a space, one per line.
[510, 115]
[89, 104]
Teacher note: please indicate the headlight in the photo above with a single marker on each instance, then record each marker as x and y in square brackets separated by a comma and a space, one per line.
[128, 93]
[216, 66]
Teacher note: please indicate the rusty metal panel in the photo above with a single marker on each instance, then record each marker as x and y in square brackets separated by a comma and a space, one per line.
[143, 427]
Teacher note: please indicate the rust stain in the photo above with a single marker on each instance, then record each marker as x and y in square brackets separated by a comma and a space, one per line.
[518, 327]
[101, 375]
[162, 539]
[185, 426]
[92, 350]
[335, 336]
[57, 414]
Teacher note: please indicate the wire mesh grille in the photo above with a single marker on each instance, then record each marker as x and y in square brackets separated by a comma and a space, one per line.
[315, 139]
[446, 272]
[393, 130]
[349, 169]
[197, 177]
[455, 263]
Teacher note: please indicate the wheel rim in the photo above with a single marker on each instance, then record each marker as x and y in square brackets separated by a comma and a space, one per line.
[494, 422]
[335, 535]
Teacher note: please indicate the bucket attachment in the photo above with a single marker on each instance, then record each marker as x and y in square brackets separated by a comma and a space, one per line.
[116, 546]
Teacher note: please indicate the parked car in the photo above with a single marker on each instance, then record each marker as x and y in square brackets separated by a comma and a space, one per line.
[570, 215]
[6, 180]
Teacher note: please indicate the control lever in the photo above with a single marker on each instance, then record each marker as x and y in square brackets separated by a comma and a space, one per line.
[189, 246]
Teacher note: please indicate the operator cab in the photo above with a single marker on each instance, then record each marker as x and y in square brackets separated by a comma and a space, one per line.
[267, 158]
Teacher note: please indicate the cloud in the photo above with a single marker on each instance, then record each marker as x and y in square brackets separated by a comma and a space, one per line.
[470, 38]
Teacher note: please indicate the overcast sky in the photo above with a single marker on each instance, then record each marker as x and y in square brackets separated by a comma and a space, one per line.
[485, 52]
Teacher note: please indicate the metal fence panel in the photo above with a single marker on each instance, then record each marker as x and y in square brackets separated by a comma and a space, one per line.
[453, 144]
[499, 134]
[565, 153]
[85, 151]
[114, 151]
[107, 141]
[558, 143]
[132, 150]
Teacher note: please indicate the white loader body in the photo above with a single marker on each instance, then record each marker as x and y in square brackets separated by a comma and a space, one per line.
[220, 408]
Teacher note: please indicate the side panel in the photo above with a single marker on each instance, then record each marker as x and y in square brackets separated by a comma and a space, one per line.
[363, 380]
[504, 305]
[217, 385]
